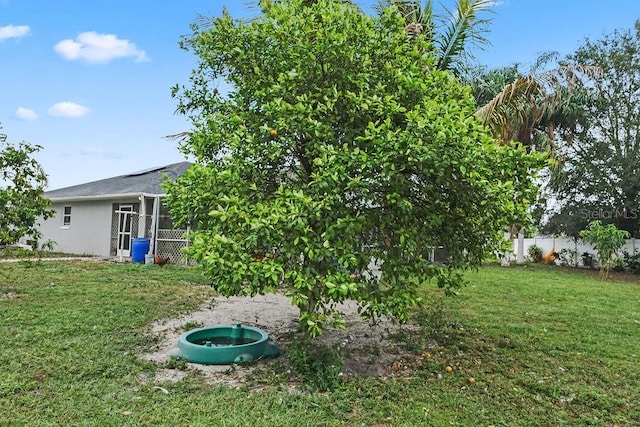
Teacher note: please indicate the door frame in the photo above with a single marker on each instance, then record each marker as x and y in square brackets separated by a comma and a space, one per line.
[124, 235]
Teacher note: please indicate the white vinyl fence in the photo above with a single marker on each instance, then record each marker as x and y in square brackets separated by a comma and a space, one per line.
[573, 248]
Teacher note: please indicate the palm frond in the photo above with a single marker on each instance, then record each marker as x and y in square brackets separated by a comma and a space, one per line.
[179, 137]
[463, 28]
[526, 101]
[543, 60]
[418, 19]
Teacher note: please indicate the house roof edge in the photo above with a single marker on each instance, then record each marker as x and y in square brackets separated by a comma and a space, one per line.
[102, 197]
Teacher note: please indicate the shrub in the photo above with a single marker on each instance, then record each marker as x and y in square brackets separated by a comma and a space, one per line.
[587, 260]
[607, 240]
[567, 257]
[535, 253]
[631, 262]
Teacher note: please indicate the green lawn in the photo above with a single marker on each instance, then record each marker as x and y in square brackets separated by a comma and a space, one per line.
[546, 346]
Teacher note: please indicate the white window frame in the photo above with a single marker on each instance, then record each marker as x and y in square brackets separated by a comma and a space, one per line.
[66, 217]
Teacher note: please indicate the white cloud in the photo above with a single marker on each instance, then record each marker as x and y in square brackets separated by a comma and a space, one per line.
[13, 32]
[98, 48]
[68, 109]
[26, 114]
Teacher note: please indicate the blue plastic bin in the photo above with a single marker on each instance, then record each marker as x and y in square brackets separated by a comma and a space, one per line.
[139, 249]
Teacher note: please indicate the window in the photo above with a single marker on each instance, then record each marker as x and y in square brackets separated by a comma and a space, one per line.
[66, 215]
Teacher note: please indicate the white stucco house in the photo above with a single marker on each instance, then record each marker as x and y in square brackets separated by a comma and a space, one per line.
[102, 217]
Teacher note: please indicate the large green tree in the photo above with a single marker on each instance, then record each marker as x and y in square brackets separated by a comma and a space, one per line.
[22, 182]
[599, 140]
[340, 152]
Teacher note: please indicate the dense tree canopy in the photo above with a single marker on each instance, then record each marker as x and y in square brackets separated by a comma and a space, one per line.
[599, 140]
[22, 183]
[339, 150]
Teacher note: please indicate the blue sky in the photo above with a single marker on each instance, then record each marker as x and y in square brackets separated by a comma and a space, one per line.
[90, 81]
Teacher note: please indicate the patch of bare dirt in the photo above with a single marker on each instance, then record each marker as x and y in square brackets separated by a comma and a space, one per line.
[369, 348]
[7, 295]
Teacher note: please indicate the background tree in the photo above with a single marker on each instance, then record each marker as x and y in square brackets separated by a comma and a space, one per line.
[22, 182]
[340, 143]
[452, 35]
[527, 107]
[599, 140]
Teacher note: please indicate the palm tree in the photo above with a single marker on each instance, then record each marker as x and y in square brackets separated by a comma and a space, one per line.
[527, 108]
[453, 34]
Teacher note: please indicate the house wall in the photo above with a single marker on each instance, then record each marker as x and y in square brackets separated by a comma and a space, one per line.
[89, 231]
